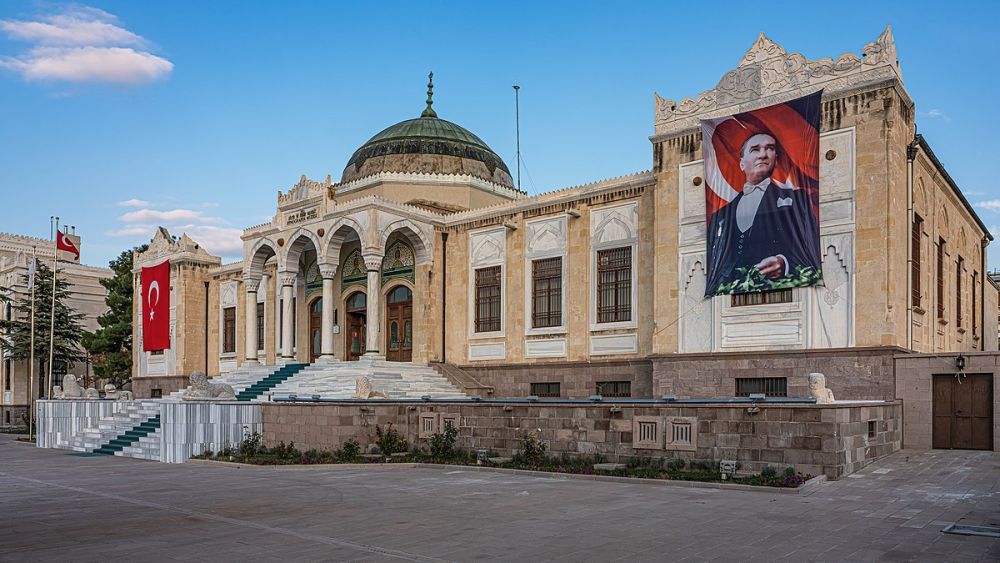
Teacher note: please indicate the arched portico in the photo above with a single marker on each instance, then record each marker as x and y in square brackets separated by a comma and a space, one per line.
[262, 251]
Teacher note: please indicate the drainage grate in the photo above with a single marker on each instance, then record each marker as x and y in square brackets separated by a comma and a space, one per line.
[968, 530]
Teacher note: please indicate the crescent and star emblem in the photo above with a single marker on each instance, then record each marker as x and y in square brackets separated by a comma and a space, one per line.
[149, 297]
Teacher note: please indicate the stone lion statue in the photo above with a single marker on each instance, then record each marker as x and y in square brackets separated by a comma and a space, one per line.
[202, 389]
[70, 388]
[363, 390]
[91, 393]
[818, 389]
[110, 391]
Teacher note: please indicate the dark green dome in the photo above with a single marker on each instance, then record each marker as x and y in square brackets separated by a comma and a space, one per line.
[428, 144]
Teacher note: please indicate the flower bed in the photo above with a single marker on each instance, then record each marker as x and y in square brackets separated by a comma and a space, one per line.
[531, 456]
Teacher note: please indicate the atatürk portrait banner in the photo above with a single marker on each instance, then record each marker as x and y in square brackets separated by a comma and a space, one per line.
[762, 198]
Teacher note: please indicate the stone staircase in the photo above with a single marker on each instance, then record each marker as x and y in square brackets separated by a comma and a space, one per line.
[338, 380]
[239, 379]
[135, 428]
[258, 388]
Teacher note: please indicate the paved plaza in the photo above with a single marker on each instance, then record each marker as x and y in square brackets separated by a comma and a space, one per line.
[57, 506]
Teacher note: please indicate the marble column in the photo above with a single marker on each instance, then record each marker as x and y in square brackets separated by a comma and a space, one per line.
[328, 271]
[287, 281]
[373, 263]
[250, 348]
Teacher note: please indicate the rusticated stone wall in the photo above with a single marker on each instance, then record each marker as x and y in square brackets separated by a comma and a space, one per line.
[578, 380]
[834, 440]
[852, 373]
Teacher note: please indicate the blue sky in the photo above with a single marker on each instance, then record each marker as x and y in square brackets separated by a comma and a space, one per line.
[118, 116]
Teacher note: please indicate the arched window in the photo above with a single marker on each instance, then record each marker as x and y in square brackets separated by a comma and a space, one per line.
[400, 294]
[358, 301]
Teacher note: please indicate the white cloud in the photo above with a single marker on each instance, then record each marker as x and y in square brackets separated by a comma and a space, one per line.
[992, 204]
[170, 216]
[210, 232]
[82, 45]
[75, 26]
[134, 203]
[936, 114]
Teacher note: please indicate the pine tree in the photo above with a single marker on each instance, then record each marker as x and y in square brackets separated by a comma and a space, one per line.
[111, 345]
[16, 333]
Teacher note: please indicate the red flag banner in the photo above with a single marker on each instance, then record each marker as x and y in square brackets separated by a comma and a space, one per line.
[156, 307]
[762, 198]
[64, 243]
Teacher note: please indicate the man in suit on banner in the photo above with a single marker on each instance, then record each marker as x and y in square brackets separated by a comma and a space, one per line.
[769, 226]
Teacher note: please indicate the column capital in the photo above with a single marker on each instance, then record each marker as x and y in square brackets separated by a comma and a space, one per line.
[327, 271]
[251, 284]
[373, 261]
[287, 278]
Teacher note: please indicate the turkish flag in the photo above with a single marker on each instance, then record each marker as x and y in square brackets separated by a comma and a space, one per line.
[63, 243]
[156, 307]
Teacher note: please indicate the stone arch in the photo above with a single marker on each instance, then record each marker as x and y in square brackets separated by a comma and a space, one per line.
[262, 251]
[338, 232]
[422, 248]
[297, 244]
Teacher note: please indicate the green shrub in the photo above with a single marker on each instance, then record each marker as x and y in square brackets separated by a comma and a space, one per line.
[676, 464]
[769, 472]
[532, 451]
[251, 445]
[390, 441]
[443, 443]
[350, 451]
[286, 453]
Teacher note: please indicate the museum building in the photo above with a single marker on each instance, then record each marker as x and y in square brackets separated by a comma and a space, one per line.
[426, 254]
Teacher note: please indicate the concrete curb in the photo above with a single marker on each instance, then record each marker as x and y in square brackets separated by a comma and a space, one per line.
[805, 488]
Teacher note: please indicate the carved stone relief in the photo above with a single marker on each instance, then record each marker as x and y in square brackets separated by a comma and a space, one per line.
[697, 313]
[615, 224]
[833, 302]
[546, 236]
[487, 247]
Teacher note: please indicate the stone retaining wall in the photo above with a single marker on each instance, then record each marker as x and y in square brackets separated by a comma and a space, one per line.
[58, 421]
[577, 380]
[142, 387]
[852, 373]
[190, 428]
[834, 440]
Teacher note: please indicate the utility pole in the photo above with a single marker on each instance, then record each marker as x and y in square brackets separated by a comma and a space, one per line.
[517, 128]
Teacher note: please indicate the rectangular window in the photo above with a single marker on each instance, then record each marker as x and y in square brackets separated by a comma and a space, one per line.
[6, 374]
[975, 317]
[281, 322]
[772, 297]
[295, 327]
[488, 299]
[614, 388]
[770, 386]
[260, 326]
[546, 292]
[614, 285]
[545, 389]
[958, 291]
[229, 330]
[915, 238]
[940, 278]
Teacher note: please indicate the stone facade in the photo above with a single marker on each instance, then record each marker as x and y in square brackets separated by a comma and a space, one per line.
[331, 241]
[833, 440]
[87, 297]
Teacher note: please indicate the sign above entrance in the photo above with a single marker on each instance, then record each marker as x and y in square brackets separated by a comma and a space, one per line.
[302, 216]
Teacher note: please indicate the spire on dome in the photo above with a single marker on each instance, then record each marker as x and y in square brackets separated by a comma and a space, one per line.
[429, 111]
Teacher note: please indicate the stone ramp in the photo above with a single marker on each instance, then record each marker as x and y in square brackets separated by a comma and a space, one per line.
[398, 380]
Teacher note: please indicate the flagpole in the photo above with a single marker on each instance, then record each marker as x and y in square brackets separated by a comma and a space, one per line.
[52, 311]
[31, 362]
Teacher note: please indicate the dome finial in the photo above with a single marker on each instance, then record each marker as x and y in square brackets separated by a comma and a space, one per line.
[429, 111]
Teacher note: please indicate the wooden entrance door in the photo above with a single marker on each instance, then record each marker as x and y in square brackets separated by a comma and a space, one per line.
[399, 323]
[316, 328]
[963, 412]
[356, 309]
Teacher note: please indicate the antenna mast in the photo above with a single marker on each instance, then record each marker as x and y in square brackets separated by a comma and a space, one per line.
[517, 128]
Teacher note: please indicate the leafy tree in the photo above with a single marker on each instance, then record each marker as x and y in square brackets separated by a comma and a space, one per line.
[16, 333]
[111, 345]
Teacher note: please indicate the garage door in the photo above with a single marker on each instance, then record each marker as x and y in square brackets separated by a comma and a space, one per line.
[963, 411]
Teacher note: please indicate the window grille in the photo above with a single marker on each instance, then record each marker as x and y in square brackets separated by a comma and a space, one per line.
[546, 292]
[229, 330]
[614, 388]
[958, 291]
[764, 298]
[940, 278]
[915, 238]
[547, 389]
[614, 285]
[770, 386]
[488, 299]
[260, 326]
